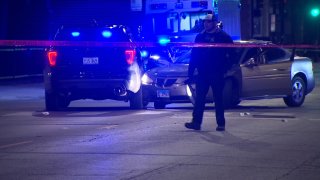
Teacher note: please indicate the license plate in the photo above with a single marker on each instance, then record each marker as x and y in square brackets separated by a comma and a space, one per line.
[90, 60]
[163, 93]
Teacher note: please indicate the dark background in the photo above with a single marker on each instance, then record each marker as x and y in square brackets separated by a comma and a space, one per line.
[39, 20]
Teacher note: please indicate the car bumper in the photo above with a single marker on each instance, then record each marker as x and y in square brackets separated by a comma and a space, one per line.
[173, 94]
[89, 88]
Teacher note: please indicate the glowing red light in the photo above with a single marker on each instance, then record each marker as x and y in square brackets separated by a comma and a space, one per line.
[52, 57]
[130, 55]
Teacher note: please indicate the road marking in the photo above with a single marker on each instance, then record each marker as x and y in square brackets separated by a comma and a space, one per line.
[108, 127]
[88, 114]
[15, 144]
[205, 115]
[272, 116]
[151, 112]
[314, 119]
[23, 113]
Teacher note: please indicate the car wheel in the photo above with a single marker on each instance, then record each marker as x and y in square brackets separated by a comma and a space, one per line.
[159, 105]
[55, 102]
[298, 93]
[230, 94]
[136, 101]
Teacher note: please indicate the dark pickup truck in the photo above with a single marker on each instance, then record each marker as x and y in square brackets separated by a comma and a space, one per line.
[87, 71]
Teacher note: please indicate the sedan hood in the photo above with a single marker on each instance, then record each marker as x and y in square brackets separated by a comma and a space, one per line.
[173, 70]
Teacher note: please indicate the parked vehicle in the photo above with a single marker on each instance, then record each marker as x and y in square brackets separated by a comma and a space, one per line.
[93, 72]
[257, 73]
[156, 57]
[165, 85]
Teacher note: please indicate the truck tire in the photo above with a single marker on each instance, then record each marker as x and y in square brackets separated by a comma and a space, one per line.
[159, 105]
[54, 102]
[136, 100]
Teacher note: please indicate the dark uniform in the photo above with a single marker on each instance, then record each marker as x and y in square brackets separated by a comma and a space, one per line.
[211, 64]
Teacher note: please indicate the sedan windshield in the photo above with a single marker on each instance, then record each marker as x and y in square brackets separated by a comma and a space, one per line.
[183, 59]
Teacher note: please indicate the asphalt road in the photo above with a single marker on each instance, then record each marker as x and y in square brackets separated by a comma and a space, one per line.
[106, 140]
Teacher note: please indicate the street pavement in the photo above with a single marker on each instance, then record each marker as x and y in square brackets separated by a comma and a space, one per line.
[264, 140]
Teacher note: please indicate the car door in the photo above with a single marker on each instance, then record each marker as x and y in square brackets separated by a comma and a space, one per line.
[268, 75]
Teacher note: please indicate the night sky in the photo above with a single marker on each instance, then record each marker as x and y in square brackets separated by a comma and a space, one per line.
[38, 19]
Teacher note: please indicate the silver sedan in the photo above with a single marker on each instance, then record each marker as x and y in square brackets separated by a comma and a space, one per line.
[257, 73]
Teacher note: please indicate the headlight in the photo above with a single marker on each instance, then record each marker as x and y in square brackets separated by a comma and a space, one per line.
[146, 80]
[155, 57]
[189, 91]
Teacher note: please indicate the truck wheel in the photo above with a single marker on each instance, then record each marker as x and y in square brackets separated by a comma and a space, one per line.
[54, 102]
[298, 93]
[159, 105]
[51, 102]
[145, 103]
[136, 100]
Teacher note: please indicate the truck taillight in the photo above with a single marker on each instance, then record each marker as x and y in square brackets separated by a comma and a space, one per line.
[52, 57]
[130, 55]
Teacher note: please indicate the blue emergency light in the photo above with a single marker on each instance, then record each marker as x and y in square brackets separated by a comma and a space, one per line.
[106, 34]
[164, 41]
[75, 34]
[144, 53]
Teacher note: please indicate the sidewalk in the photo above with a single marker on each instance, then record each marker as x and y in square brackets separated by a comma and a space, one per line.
[23, 88]
[22, 79]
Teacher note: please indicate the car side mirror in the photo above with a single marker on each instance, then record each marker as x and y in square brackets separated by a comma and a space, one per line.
[251, 62]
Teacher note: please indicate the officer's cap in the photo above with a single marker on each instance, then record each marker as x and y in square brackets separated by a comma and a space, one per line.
[210, 17]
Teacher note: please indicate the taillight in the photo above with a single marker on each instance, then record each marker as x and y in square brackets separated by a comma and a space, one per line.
[130, 55]
[52, 57]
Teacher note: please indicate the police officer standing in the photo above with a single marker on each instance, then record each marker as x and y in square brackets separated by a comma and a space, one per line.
[211, 65]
